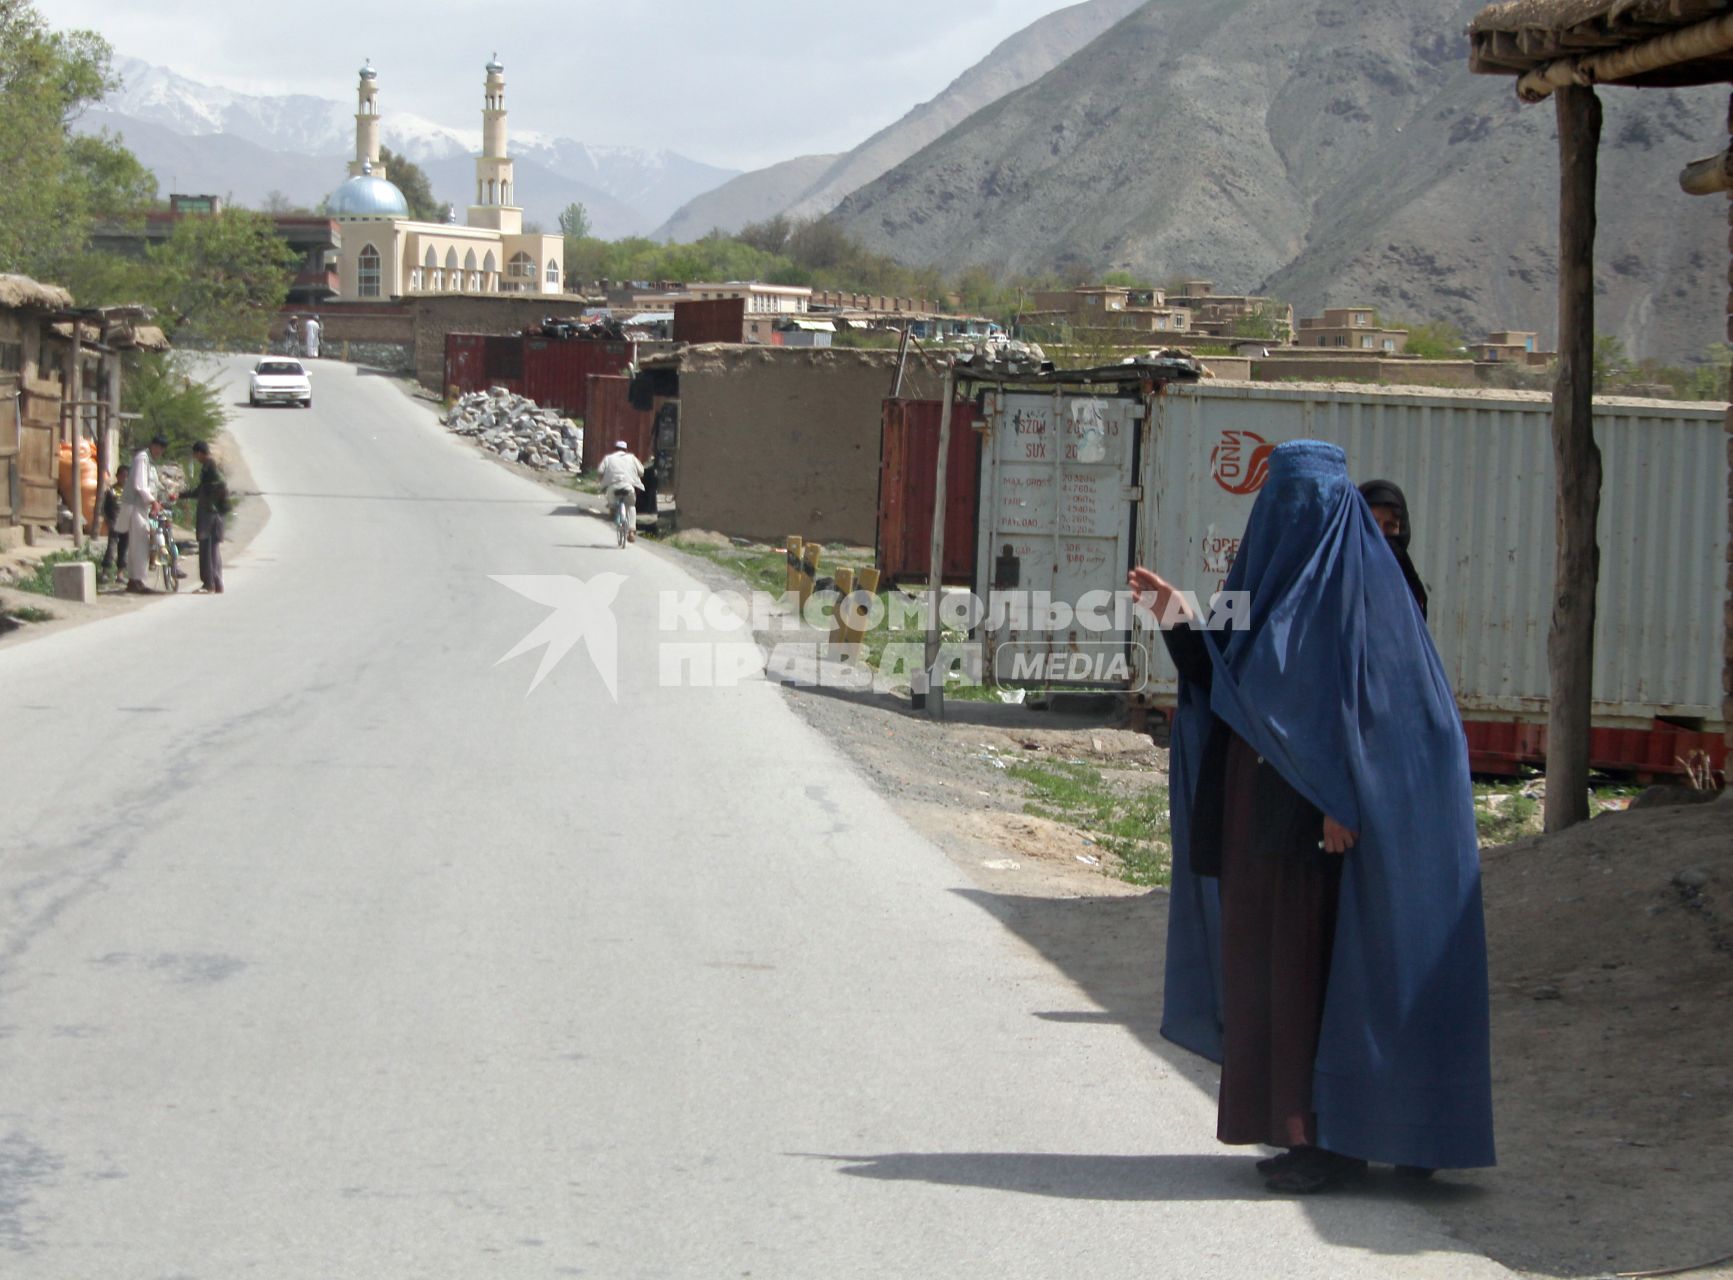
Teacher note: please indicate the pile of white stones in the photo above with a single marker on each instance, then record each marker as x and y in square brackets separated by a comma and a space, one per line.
[1002, 354]
[518, 430]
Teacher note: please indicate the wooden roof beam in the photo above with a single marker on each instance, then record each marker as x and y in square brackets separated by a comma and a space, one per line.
[1710, 39]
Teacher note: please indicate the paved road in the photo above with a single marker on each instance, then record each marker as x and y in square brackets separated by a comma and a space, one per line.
[328, 951]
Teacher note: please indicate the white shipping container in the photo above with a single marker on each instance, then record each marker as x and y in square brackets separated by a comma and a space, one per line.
[1477, 469]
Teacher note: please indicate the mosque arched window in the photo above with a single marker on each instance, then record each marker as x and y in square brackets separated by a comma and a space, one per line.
[522, 267]
[470, 270]
[367, 272]
[553, 276]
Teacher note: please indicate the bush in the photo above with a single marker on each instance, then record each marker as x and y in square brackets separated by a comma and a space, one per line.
[172, 403]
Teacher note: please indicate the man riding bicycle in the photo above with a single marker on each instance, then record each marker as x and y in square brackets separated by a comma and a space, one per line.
[622, 477]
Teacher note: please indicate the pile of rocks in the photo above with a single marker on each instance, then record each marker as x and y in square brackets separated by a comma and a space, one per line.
[518, 430]
[1000, 354]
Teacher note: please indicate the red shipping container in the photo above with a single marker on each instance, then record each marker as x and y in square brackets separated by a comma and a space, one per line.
[465, 362]
[609, 416]
[908, 462]
[556, 371]
[711, 320]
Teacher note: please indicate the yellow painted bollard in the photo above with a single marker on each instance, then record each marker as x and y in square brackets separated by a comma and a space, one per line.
[839, 630]
[795, 563]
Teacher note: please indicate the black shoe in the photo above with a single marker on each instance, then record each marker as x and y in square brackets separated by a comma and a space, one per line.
[1282, 1161]
[1315, 1172]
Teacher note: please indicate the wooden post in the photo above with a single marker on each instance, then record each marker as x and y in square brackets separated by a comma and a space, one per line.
[795, 547]
[935, 687]
[810, 555]
[75, 402]
[1576, 468]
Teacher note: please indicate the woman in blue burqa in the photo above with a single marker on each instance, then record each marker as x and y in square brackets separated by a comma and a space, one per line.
[1325, 937]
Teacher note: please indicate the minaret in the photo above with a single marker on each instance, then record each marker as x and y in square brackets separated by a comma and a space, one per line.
[367, 125]
[494, 188]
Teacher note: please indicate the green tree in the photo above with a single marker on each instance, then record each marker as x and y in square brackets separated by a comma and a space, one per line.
[409, 178]
[170, 402]
[768, 236]
[1612, 363]
[46, 197]
[574, 222]
[219, 280]
[1262, 324]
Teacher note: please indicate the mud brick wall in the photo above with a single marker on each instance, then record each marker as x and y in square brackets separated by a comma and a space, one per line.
[380, 323]
[778, 440]
[436, 316]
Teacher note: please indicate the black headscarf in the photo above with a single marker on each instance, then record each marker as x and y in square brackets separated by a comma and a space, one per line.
[1385, 493]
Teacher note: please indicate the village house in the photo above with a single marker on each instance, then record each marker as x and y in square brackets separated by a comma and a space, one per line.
[761, 299]
[1226, 315]
[384, 253]
[1352, 329]
[1512, 346]
[60, 384]
[1095, 310]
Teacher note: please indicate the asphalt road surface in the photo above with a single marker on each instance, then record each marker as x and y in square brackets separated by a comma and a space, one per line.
[329, 949]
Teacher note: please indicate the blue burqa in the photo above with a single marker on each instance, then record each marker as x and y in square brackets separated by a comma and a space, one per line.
[1332, 677]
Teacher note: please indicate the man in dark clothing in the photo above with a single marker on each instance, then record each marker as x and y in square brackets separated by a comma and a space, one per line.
[212, 493]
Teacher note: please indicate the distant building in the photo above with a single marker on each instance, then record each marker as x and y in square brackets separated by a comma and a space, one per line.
[1512, 346]
[386, 254]
[1108, 310]
[761, 299]
[1352, 329]
[1224, 315]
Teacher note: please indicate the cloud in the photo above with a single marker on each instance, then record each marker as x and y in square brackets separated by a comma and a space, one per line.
[740, 83]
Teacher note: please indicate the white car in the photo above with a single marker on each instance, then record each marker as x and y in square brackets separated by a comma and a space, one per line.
[277, 380]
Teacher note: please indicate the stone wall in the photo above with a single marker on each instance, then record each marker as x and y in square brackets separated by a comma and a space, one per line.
[777, 441]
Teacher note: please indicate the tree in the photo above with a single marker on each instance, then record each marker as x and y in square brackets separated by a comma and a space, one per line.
[1262, 324]
[1612, 363]
[219, 279]
[768, 236]
[52, 180]
[408, 177]
[279, 202]
[574, 222]
[1435, 340]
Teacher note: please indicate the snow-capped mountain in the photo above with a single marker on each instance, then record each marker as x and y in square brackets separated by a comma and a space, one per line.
[631, 189]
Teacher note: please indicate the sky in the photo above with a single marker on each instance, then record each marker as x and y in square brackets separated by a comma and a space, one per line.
[737, 83]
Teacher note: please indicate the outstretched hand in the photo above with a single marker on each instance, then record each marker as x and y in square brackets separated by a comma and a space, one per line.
[1152, 592]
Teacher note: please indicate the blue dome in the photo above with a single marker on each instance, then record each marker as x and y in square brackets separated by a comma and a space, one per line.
[494, 65]
[367, 71]
[367, 197]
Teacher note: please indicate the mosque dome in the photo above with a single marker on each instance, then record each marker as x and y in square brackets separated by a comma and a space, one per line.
[367, 71]
[495, 66]
[367, 197]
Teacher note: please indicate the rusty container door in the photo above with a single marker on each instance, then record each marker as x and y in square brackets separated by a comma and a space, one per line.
[465, 362]
[609, 416]
[908, 461]
[556, 371]
[11, 496]
[712, 320]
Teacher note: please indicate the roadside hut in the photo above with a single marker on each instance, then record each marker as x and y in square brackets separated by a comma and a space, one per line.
[1563, 49]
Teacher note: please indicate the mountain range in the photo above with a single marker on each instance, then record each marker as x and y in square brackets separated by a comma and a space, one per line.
[1326, 152]
[811, 186]
[201, 137]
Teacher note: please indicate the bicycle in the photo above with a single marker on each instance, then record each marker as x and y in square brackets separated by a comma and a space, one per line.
[623, 519]
[164, 554]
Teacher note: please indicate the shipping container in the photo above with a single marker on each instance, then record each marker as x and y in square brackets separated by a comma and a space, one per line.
[710, 320]
[556, 371]
[1058, 519]
[1477, 470]
[481, 361]
[609, 416]
[908, 462]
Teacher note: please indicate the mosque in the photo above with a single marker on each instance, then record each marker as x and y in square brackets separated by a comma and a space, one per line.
[387, 254]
